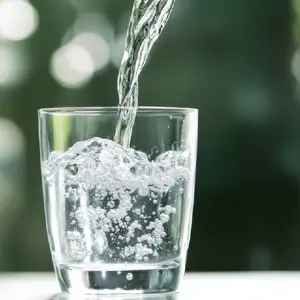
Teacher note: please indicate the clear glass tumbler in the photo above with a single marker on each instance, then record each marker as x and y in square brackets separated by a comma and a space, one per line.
[118, 219]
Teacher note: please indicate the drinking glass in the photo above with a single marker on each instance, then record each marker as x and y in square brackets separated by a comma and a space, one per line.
[118, 219]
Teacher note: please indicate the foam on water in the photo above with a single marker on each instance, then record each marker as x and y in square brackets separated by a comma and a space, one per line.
[119, 203]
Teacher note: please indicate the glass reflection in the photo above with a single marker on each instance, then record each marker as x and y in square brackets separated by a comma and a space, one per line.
[167, 296]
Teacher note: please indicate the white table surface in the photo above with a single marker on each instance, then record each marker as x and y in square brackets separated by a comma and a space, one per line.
[215, 286]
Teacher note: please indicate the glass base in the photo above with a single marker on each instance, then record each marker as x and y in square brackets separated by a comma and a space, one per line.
[111, 279]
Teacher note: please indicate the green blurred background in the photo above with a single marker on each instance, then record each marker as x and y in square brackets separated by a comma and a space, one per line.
[235, 60]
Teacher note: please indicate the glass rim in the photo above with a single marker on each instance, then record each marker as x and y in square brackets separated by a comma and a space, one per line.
[113, 109]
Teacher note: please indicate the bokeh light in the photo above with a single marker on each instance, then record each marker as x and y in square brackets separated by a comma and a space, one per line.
[96, 46]
[11, 140]
[86, 50]
[72, 66]
[18, 19]
[118, 49]
[96, 23]
[252, 105]
[296, 65]
[13, 65]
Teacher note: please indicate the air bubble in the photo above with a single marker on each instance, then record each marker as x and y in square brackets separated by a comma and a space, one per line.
[115, 209]
[129, 276]
[164, 218]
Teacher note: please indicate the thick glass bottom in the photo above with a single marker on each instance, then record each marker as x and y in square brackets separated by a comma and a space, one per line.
[120, 279]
